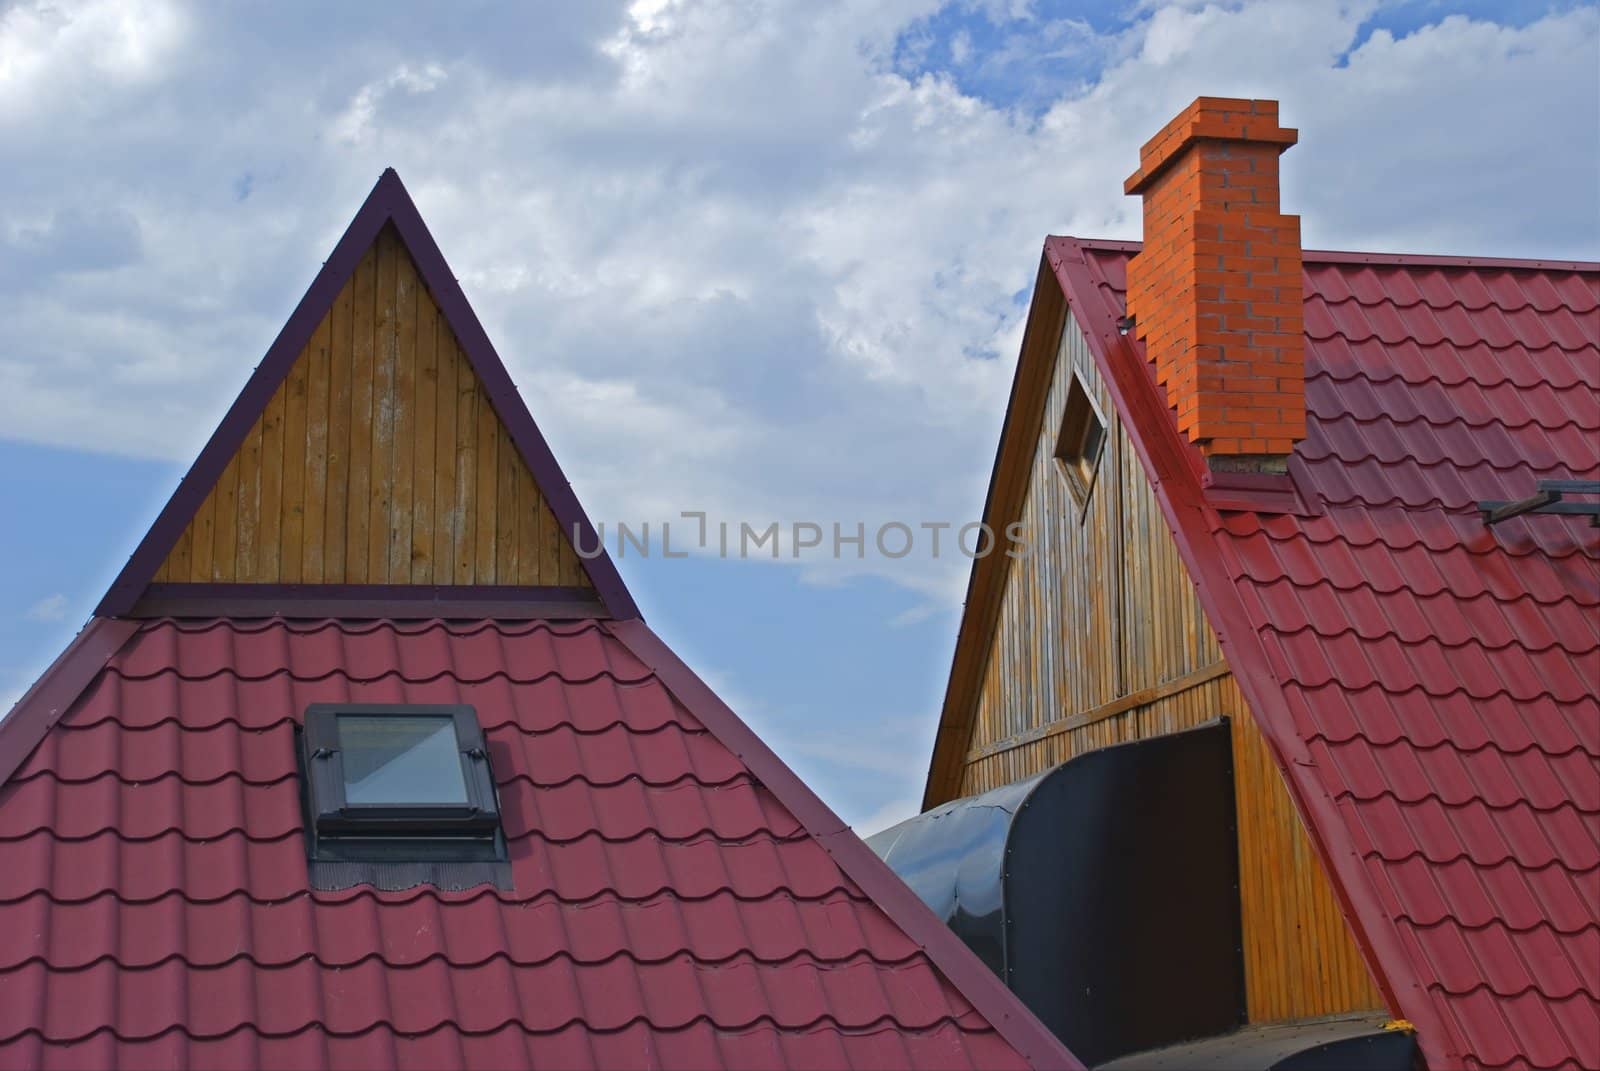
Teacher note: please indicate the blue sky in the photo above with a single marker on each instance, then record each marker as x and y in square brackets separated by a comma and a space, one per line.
[769, 261]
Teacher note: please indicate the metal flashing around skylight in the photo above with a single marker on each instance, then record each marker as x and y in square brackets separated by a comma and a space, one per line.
[398, 783]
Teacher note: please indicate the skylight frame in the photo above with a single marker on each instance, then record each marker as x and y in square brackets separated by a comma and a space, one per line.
[334, 820]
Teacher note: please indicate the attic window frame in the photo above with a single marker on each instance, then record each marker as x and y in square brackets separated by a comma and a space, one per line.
[1081, 441]
[338, 830]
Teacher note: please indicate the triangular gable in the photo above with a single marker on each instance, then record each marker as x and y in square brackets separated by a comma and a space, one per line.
[338, 516]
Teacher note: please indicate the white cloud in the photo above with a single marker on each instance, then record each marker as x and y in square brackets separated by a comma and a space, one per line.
[86, 52]
[960, 48]
[737, 261]
[354, 124]
[49, 608]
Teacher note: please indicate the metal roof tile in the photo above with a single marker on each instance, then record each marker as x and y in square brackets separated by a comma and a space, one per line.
[156, 889]
[1441, 676]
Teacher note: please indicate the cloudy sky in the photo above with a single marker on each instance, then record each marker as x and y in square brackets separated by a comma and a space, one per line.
[768, 261]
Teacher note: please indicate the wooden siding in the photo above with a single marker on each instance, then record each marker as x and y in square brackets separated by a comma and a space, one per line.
[379, 460]
[1100, 625]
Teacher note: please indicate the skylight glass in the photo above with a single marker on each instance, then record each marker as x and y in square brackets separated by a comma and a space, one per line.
[401, 760]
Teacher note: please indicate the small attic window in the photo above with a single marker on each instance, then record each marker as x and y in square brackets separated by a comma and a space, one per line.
[1081, 441]
[399, 783]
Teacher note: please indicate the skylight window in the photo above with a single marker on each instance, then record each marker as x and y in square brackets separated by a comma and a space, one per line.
[399, 783]
[393, 759]
[1081, 441]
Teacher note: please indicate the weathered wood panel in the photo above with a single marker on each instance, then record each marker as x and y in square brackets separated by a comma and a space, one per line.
[380, 460]
[1102, 608]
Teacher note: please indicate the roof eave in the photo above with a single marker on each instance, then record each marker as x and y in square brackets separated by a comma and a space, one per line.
[57, 688]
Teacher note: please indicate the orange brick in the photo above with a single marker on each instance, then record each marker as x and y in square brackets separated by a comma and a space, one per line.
[1217, 290]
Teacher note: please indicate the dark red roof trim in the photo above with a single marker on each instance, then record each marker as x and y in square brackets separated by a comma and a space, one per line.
[56, 689]
[1410, 260]
[958, 963]
[387, 203]
[395, 601]
[1161, 452]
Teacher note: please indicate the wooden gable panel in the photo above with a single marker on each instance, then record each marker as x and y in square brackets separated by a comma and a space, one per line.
[379, 460]
[1100, 640]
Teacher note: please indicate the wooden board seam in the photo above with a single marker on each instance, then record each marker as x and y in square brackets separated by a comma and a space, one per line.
[1120, 705]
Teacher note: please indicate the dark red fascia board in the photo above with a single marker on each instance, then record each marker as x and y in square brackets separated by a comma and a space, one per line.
[1163, 454]
[976, 982]
[387, 203]
[57, 688]
[349, 601]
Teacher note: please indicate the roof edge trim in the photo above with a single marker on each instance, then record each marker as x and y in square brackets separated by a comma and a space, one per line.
[348, 601]
[979, 985]
[387, 203]
[1156, 442]
[1348, 256]
[57, 688]
[986, 579]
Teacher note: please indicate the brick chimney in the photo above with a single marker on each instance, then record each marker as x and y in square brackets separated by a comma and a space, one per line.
[1216, 291]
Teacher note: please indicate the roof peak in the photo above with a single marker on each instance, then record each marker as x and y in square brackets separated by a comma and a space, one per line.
[501, 453]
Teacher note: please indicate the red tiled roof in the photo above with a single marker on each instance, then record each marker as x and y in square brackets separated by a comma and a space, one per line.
[1431, 685]
[671, 906]
[677, 897]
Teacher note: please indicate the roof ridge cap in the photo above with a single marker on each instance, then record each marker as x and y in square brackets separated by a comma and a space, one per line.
[1368, 257]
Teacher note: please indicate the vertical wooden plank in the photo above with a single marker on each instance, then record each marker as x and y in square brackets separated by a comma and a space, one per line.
[176, 568]
[384, 369]
[402, 504]
[551, 539]
[424, 447]
[1276, 877]
[291, 522]
[509, 522]
[573, 574]
[341, 437]
[200, 545]
[267, 568]
[445, 516]
[1308, 971]
[248, 505]
[225, 528]
[530, 509]
[315, 485]
[1246, 821]
[465, 522]
[358, 514]
[486, 498]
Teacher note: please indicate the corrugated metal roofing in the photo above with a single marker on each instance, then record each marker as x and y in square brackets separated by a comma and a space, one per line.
[668, 908]
[1433, 685]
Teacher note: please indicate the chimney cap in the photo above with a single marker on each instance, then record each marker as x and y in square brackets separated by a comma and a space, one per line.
[1215, 119]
